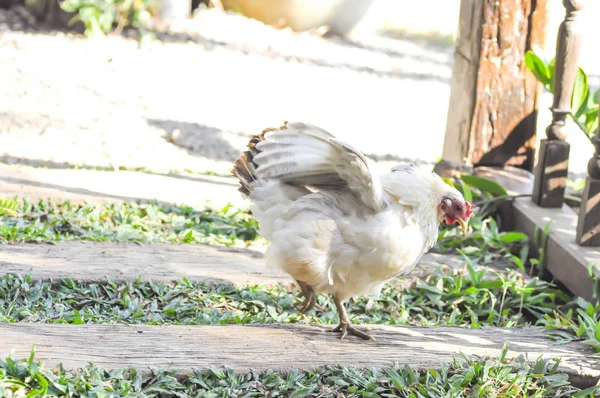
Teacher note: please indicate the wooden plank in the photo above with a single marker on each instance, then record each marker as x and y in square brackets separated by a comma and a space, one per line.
[566, 260]
[494, 99]
[92, 261]
[278, 347]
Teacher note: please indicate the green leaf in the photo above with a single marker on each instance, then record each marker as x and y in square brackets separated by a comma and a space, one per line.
[537, 67]
[31, 356]
[69, 6]
[468, 195]
[34, 393]
[580, 92]
[550, 86]
[511, 237]
[588, 392]
[449, 181]
[591, 121]
[106, 21]
[272, 312]
[302, 392]
[490, 284]
[484, 185]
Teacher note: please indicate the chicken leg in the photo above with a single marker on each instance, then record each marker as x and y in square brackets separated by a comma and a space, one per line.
[309, 298]
[345, 326]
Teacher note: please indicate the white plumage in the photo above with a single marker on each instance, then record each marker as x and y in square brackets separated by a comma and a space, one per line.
[333, 225]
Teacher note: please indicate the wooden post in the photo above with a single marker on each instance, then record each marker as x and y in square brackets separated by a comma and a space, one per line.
[588, 225]
[493, 98]
[552, 169]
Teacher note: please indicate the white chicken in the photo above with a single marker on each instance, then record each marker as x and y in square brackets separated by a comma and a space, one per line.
[335, 227]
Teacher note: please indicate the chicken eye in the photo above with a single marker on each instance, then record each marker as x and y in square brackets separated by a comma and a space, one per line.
[458, 207]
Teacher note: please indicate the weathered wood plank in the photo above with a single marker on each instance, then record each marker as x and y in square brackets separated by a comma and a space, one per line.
[278, 347]
[565, 259]
[93, 261]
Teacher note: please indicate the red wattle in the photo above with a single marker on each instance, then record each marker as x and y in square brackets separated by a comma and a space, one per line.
[449, 220]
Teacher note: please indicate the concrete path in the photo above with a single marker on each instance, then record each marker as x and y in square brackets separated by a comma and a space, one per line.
[192, 101]
[80, 186]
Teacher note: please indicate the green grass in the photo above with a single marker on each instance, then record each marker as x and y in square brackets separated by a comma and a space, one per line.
[51, 221]
[47, 221]
[454, 300]
[467, 299]
[464, 377]
[462, 299]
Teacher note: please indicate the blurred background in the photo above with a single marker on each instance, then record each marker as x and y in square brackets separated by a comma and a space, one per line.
[173, 86]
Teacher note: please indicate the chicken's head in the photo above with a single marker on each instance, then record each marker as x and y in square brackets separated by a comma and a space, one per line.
[456, 210]
[425, 192]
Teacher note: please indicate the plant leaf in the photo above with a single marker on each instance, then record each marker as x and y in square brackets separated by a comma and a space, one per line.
[537, 67]
[484, 185]
[468, 195]
[587, 392]
[580, 92]
[514, 236]
[550, 86]
[591, 121]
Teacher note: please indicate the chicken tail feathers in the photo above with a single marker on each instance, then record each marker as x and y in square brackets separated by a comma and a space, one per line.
[244, 168]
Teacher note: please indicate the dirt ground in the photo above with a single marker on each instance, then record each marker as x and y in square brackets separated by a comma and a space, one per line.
[191, 100]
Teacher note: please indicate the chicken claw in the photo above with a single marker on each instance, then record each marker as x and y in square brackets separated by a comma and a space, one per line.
[345, 326]
[309, 298]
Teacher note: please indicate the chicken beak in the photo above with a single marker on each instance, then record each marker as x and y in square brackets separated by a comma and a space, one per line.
[463, 224]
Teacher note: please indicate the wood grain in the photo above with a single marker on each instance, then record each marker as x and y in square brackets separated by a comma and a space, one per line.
[278, 347]
[588, 225]
[551, 173]
[494, 99]
[568, 47]
[551, 170]
[464, 82]
[93, 261]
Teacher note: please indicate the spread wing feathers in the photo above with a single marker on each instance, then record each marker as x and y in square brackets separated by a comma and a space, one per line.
[303, 154]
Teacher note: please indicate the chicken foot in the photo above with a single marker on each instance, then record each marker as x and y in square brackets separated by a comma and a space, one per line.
[309, 297]
[345, 326]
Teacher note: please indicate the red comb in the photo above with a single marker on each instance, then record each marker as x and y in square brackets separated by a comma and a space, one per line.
[469, 209]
